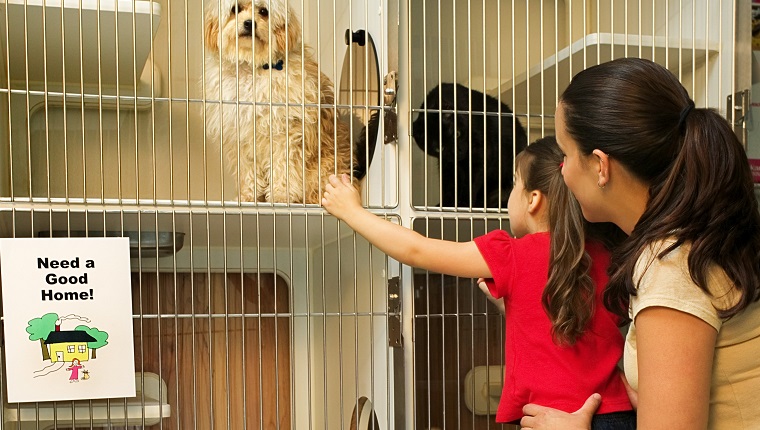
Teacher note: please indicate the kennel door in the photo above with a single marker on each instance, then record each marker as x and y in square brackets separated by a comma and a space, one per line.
[325, 29]
[359, 90]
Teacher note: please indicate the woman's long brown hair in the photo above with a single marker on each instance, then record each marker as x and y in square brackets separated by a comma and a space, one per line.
[568, 297]
[700, 186]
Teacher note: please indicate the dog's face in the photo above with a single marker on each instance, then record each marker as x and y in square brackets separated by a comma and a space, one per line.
[241, 31]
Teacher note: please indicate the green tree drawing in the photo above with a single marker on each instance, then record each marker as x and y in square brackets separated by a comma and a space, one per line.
[101, 338]
[40, 328]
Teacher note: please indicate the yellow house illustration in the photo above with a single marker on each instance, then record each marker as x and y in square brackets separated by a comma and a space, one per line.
[68, 345]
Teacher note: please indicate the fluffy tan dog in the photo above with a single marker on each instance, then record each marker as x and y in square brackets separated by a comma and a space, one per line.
[283, 146]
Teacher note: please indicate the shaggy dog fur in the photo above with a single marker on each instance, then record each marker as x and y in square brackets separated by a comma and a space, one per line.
[467, 147]
[277, 140]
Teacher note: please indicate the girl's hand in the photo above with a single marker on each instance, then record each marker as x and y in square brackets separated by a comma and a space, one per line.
[341, 197]
[540, 417]
[499, 303]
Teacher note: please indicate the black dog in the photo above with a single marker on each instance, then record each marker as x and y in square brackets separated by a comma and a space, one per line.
[475, 145]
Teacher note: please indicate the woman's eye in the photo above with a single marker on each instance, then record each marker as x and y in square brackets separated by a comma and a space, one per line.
[264, 12]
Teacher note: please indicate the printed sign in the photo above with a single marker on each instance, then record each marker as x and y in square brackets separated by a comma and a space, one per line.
[67, 305]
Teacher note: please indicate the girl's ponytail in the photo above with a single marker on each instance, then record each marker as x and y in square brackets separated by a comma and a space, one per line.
[568, 297]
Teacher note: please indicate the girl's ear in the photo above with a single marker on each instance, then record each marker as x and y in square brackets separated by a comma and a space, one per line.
[604, 167]
[535, 201]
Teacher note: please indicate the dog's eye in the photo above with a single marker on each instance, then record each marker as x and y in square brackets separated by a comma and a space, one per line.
[263, 12]
[234, 9]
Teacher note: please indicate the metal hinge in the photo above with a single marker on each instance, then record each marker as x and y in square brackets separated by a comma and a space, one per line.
[736, 114]
[395, 339]
[390, 90]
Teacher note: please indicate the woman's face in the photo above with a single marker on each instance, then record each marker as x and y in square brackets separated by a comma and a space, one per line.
[581, 173]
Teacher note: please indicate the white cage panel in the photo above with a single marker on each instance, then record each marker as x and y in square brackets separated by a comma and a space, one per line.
[458, 334]
[523, 54]
[116, 102]
[237, 324]
[484, 78]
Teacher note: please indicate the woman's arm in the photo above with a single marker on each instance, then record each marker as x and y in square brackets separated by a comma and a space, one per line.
[675, 355]
[342, 200]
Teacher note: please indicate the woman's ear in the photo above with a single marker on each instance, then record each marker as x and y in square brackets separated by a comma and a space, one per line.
[603, 168]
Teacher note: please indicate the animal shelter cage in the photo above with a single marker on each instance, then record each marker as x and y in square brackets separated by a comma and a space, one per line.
[252, 307]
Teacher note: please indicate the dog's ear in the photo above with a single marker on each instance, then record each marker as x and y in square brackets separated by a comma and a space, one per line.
[288, 39]
[211, 33]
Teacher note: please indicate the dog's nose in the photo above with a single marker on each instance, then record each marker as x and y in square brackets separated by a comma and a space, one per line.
[248, 25]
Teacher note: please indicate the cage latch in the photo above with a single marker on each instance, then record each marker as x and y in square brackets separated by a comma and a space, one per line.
[395, 339]
[390, 89]
[736, 113]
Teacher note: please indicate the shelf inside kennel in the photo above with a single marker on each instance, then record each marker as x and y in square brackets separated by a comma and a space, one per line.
[201, 230]
[148, 407]
[103, 44]
[595, 48]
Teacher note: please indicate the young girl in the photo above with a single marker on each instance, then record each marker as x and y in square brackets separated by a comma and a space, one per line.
[561, 344]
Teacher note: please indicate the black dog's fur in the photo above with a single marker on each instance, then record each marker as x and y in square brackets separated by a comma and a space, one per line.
[364, 158]
[468, 138]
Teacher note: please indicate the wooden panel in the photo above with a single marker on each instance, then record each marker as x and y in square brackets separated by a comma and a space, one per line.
[228, 371]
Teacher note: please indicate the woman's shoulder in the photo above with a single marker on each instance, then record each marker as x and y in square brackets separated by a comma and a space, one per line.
[667, 257]
[662, 278]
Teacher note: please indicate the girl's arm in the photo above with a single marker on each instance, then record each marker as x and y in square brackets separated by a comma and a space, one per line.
[342, 200]
[675, 356]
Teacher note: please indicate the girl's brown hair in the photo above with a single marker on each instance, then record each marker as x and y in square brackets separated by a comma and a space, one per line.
[568, 297]
[700, 185]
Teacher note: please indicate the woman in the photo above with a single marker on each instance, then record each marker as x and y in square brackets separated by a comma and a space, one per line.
[677, 181]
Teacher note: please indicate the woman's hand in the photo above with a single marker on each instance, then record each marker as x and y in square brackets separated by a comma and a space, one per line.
[341, 198]
[540, 417]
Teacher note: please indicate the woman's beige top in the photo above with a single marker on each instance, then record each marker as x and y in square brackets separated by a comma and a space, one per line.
[735, 392]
